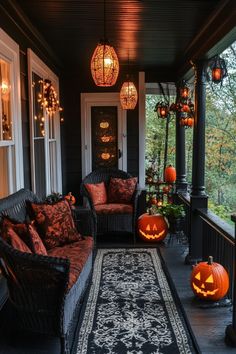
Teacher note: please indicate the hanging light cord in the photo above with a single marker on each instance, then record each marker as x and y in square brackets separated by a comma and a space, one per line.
[104, 22]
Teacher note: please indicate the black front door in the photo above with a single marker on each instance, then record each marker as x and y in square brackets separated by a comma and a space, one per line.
[104, 137]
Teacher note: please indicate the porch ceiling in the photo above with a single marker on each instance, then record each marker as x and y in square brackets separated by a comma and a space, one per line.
[155, 34]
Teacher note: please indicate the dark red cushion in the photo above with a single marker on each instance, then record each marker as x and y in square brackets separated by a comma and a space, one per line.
[97, 192]
[11, 237]
[27, 233]
[77, 253]
[55, 224]
[114, 208]
[37, 245]
[121, 190]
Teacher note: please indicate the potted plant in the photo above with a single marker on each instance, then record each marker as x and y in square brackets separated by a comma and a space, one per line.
[174, 213]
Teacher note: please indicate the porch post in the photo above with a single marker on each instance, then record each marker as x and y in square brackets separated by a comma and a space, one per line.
[230, 332]
[181, 183]
[198, 197]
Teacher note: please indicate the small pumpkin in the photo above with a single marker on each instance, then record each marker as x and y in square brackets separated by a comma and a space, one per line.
[70, 198]
[209, 280]
[170, 174]
[152, 228]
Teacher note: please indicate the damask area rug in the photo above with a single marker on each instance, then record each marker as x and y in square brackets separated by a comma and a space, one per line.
[131, 308]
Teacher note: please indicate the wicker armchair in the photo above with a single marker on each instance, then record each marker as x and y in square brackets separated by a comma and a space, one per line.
[38, 284]
[111, 222]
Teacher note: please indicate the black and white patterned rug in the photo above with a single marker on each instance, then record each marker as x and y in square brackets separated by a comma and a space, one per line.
[131, 308]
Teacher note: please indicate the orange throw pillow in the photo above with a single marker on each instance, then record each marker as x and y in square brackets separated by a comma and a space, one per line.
[55, 223]
[97, 192]
[37, 245]
[27, 233]
[11, 237]
[121, 190]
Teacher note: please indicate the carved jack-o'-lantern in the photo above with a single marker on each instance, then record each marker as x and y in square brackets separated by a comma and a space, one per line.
[152, 227]
[209, 280]
[104, 125]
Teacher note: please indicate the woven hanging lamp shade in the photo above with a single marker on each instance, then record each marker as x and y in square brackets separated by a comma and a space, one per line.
[128, 95]
[104, 65]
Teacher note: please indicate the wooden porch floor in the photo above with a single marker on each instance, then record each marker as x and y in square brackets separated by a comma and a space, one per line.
[208, 324]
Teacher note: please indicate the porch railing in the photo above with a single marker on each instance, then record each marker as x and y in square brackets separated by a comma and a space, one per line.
[218, 238]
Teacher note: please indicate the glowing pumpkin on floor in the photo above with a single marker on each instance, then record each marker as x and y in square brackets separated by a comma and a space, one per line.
[209, 280]
[152, 228]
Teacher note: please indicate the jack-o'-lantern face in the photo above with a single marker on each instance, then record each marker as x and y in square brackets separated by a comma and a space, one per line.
[152, 227]
[205, 287]
[209, 280]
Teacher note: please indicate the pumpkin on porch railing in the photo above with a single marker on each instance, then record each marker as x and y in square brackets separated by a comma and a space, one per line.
[152, 227]
[70, 198]
[209, 280]
[170, 174]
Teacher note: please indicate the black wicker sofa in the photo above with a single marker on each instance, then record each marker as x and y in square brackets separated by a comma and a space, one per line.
[38, 284]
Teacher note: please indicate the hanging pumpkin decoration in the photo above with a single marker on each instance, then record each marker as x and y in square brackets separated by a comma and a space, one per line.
[209, 280]
[170, 174]
[70, 198]
[152, 228]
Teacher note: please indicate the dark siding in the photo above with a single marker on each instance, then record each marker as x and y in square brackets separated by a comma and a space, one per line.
[25, 119]
[71, 88]
[72, 83]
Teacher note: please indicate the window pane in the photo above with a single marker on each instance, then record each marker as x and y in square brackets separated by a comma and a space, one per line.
[5, 94]
[39, 119]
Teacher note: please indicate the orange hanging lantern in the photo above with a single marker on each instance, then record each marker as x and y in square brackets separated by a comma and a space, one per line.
[104, 65]
[162, 109]
[170, 174]
[218, 69]
[128, 95]
[152, 228]
[209, 280]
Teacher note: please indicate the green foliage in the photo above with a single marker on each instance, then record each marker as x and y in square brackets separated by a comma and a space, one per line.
[53, 198]
[155, 139]
[223, 211]
[172, 211]
[220, 140]
[220, 167]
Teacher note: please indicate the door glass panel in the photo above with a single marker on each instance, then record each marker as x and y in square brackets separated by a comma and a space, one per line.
[5, 94]
[104, 137]
[39, 136]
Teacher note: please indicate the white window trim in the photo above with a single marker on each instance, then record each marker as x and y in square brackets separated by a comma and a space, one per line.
[89, 100]
[36, 65]
[142, 129]
[9, 50]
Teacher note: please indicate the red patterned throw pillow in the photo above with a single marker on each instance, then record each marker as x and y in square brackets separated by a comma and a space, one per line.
[11, 237]
[55, 223]
[121, 190]
[27, 233]
[97, 192]
[37, 245]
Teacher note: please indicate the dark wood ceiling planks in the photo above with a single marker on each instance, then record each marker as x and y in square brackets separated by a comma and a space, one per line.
[154, 34]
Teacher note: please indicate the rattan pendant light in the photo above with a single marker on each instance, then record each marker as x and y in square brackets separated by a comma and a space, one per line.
[128, 95]
[104, 62]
